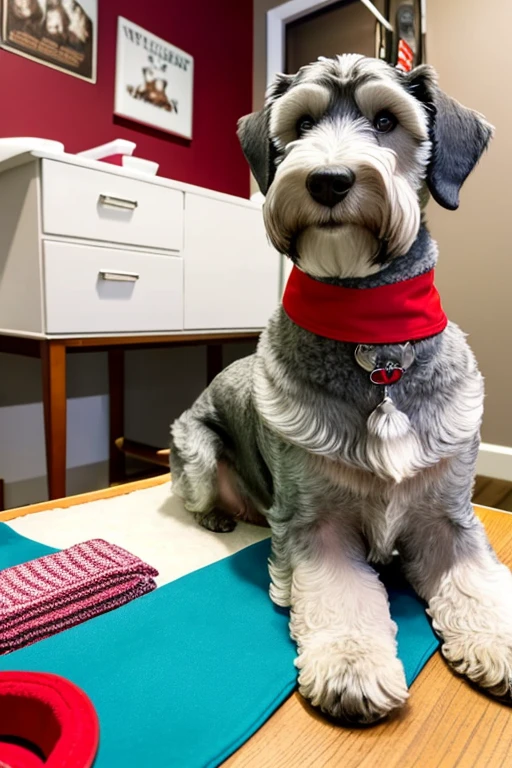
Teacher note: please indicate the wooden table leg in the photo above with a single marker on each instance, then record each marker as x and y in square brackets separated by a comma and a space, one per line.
[213, 361]
[53, 365]
[117, 470]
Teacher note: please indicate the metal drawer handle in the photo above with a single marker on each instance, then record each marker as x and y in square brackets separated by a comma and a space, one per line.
[118, 202]
[124, 277]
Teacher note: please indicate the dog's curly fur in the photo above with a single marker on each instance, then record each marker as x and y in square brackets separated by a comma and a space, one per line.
[284, 433]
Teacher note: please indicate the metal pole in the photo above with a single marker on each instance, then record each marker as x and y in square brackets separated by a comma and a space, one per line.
[378, 15]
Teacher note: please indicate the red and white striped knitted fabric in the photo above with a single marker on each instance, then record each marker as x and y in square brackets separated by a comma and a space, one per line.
[405, 56]
[58, 591]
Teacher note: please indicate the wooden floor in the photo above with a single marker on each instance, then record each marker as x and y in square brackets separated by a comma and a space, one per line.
[490, 492]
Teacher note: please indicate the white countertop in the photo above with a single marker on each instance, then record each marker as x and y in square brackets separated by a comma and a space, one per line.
[22, 156]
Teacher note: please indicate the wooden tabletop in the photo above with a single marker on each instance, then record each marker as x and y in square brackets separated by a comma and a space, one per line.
[445, 724]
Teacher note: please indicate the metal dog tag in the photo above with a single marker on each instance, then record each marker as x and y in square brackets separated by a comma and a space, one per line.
[383, 372]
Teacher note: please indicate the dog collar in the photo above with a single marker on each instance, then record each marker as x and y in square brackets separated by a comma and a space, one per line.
[409, 310]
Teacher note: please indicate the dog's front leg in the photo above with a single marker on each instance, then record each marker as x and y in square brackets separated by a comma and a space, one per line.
[340, 620]
[452, 566]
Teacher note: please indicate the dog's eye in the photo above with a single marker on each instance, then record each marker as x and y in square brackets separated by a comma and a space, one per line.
[385, 122]
[304, 124]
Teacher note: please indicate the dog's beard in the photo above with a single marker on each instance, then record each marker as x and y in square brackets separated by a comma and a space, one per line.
[380, 211]
[349, 250]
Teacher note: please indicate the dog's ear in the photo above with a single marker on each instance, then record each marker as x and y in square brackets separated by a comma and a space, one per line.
[254, 136]
[459, 136]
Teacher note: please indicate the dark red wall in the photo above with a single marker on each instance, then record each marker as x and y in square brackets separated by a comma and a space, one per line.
[38, 101]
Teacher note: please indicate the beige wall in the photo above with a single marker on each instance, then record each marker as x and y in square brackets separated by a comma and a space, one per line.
[260, 50]
[468, 43]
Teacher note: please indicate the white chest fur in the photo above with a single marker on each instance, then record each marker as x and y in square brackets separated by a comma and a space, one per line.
[379, 508]
[436, 428]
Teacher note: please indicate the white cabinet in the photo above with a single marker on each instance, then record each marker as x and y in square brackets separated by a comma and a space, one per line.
[86, 249]
[231, 271]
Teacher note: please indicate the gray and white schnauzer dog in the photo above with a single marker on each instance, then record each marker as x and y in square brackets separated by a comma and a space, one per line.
[346, 152]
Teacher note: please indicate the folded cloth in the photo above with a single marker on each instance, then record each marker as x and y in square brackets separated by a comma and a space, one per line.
[52, 593]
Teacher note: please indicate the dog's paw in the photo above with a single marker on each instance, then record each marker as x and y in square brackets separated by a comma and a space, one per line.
[218, 521]
[352, 680]
[485, 660]
[473, 615]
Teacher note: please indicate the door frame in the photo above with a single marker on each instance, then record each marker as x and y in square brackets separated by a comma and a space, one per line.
[279, 17]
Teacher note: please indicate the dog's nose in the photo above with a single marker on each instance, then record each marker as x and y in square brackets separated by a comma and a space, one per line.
[330, 185]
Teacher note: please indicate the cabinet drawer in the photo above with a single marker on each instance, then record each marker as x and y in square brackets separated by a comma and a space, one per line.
[96, 205]
[108, 290]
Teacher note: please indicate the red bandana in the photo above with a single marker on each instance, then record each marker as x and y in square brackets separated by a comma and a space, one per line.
[390, 314]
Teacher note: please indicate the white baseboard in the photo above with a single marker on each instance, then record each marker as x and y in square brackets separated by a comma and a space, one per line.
[495, 461]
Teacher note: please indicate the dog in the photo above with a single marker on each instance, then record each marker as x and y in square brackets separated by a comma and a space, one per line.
[348, 472]
[153, 90]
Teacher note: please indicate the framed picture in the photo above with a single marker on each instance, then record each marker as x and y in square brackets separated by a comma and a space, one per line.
[62, 34]
[154, 80]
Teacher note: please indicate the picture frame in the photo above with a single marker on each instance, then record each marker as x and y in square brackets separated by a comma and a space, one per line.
[61, 34]
[154, 81]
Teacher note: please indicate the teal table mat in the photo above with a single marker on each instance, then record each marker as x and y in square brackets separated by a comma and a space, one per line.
[183, 676]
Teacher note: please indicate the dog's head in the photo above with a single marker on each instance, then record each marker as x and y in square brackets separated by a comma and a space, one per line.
[345, 151]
